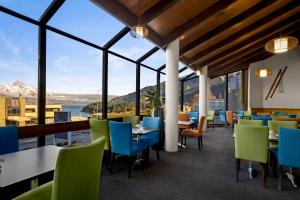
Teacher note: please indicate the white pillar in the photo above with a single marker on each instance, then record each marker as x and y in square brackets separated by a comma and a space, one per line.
[172, 86]
[203, 94]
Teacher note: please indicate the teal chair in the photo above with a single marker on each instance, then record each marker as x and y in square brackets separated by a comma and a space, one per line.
[9, 139]
[251, 143]
[76, 177]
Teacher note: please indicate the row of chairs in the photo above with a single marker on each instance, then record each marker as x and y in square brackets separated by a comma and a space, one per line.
[252, 144]
[119, 140]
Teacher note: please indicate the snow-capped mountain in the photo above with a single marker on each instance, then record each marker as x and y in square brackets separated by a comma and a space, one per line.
[18, 88]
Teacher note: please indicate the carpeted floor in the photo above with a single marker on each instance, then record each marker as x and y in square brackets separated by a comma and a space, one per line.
[191, 175]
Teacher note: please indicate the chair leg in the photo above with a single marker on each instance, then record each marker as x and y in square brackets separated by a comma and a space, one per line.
[181, 140]
[112, 162]
[108, 158]
[213, 122]
[201, 141]
[157, 154]
[130, 161]
[279, 186]
[265, 171]
[199, 146]
[185, 140]
[237, 168]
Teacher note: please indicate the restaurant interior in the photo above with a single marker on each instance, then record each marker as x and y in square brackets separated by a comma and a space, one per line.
[220, 119]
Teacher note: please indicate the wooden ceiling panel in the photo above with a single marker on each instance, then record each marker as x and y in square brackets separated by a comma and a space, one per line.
[242, 38]
[218, 19]
[178, 14]
[133, 5]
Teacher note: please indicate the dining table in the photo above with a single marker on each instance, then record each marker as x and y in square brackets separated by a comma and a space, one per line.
[24, 166]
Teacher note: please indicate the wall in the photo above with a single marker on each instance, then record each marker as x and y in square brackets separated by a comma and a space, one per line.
[259, 87]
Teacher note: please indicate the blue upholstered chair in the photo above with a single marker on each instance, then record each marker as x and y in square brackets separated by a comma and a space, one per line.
[196, 116]
[9, 140]
[222, 115]
[122, 142]
[288, 150]
[265, 119]
[152, 138]
[240, 115]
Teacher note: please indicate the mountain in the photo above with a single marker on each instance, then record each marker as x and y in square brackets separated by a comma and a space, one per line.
[18, 88]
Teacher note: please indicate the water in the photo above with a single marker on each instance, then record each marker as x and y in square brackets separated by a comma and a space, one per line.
[75, 110]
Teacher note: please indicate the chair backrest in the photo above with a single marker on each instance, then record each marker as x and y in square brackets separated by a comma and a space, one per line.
[134, 120]
[265, 119]
[222, 115]
[229, 117]
[99, 128]
[251, 143]
[120, 137]
[247, 113]
[287, 119]
[210, 113]
[183, 117]
[9, 139]
[194, 115]
[289, 148]
[151, 122]
[250, 122]
[201, 125]
[275, 125]
[77, 172]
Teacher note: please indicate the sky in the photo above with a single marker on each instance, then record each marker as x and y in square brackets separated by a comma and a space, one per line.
[72, 67]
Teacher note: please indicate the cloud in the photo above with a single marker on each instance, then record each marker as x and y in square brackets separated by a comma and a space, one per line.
[66, 65]
[9, 44]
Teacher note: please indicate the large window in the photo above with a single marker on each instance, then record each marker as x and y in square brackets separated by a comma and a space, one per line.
[74, 78]
[191, 95]
[235, 92]
[121, 87]
[148, 86]
[216, 93]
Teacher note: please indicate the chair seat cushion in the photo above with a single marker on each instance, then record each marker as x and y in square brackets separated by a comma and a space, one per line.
[43, 192]
[150, 138]
[190, 132]
[138, 147]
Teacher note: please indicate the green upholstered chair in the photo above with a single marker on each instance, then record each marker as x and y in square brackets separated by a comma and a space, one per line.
[275, 125]
[76, 177]
[250, 122]
[251, 143]
[99, 128]
[211, 118]
[134, 120]
[247, 114]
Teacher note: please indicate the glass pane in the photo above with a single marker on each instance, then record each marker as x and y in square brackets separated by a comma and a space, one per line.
[186, 72]
[191, 95]
[74, 80]
[31, 8]
[94, 24]
[216, 93]
[162, 88]
[18, 69]
[121, 87]
[156, 60]
[148, 84]
[132, 48]
[235, 92]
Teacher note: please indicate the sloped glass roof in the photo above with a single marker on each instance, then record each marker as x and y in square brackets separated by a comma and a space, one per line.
[131, 47]
[30, 8]
[156, 60]
[93, 25]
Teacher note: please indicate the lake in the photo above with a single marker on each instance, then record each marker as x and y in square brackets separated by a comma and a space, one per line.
[75, 110]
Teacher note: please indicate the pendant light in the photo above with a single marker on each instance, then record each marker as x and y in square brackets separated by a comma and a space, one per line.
[198, 71]
[139, 30]
[263, 72]
[281, 44]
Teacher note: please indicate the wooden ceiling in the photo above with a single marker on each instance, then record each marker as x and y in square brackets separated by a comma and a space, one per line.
[226, 35]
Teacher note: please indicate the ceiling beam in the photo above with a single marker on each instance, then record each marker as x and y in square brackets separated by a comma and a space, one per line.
[51, 10]
[195, 21]
[121, 12]
[246, 31]
[146, 55]
[292, 20]
[227, 25]
[161, 67]
[187, 76]
[252, 48]
[183, 69]
[156, 10]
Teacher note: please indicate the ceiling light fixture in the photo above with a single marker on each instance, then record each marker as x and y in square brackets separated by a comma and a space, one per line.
[139, 30]
[281, 44]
